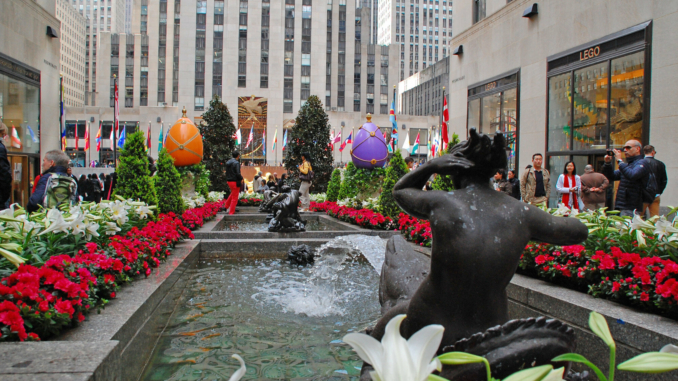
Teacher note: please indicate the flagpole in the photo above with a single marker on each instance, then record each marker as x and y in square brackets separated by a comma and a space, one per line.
[61, 104]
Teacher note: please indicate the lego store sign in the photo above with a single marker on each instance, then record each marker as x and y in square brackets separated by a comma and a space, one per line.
[589, 53]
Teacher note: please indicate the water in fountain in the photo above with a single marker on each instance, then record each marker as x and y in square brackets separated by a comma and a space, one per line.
[316, 291]
[230, 306]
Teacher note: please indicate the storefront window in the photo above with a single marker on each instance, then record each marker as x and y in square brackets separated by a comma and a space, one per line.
[20, 111]
[590, 107]
[492, 107]
[559, 112]
[626, 104]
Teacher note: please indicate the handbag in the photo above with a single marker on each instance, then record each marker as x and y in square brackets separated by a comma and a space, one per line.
[307, 177]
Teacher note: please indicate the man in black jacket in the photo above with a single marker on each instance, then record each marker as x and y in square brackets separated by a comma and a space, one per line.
[632, 177]
[5, 170]
[659, 170]
[234, 179]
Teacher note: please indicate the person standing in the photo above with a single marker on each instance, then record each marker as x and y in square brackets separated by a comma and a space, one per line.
[568, 187]
[632, 177]
[256, 182]
[55, 163]
[305, 170]
[500, 183]
[535, 184]
[659, 170]
[5, 170]
[593, 188]
[409, 161]
[234, 180]
[515, 184]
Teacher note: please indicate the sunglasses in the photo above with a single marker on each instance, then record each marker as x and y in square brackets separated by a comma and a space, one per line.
[627, 148]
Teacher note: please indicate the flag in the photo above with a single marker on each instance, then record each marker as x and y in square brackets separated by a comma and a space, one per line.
[337, 139]
[148, 139]
[116, 114]
[16, 142]
[251, 137]
[331, 140]
[284, 140]
[446, 119]
[87, 136]
[390, 146]
[98, 138]
[164, 141]
[347, 141]
[394, 123]
[434, 147]
[121, 140]
[428, 145]
[112, 138]
[63, 140]
[406, 143]
[275, 140]
[77, 138]
[160, 142]
[263, 143]
[415, 147]
[33, 137]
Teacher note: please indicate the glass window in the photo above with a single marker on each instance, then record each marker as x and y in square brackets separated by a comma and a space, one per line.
[510, 122]
[559, 112]
[20, 109]
[305, 59]
[626, 105]
[491, 117]
[590, 107]
[556, 165]
[474, 114]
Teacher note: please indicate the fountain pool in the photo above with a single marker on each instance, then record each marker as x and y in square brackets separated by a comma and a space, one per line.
[286, 322]
[253, 226]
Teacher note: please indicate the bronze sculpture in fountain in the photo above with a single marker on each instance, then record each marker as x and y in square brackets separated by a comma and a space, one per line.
[478, 237]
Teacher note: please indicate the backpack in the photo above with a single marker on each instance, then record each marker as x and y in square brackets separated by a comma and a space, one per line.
[59, 189]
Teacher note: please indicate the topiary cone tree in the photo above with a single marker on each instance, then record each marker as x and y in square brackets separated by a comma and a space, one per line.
[218, 144]
[134, 177]
[168, 185]
[444, 182]
[349, 187]
[310, 134]
[396, 169]
[334, 186]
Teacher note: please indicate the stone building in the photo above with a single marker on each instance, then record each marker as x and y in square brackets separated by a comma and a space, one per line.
[29, 87]
[567, 79]
[263, 58]
[419, 30]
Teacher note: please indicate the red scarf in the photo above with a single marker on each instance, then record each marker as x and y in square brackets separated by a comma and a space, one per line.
[566, 196]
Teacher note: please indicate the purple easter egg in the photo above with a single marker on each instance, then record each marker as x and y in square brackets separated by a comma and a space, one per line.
[369, 147]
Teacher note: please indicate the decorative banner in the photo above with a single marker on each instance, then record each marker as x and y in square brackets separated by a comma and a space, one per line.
[253, 115]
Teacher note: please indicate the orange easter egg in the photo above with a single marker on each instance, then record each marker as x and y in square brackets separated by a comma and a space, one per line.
[184, 143]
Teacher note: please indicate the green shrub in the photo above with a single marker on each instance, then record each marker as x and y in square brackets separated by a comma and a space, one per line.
[168, 185]
[218, 144]
[200, 176]
[349, 187]
[396, 169]
[334, 186]
[134, 177]
[444, 182]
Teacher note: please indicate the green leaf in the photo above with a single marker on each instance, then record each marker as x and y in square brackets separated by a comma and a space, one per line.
[531, 374]
[574, 357]
[599, 326]
[651, 362]
[459, 358]
[433, 377]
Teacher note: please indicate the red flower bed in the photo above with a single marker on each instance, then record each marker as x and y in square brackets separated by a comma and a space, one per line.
[196, 217]
[249, 201]
[415, 230]
[649, 282]
[366, 218]
[40, 302]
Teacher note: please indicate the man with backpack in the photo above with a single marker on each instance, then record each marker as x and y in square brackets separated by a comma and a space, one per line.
[658, 170]
[632, 177]
[55, 187]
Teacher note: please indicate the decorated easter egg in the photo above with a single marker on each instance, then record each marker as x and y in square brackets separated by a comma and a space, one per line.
[184, 142]
[369, 146]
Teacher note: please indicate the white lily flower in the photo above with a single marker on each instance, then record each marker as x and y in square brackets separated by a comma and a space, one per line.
[111, 228]
[144, 211]
[118, 213]
[240, 373]
[57, 225]
[92, 230]
[397, 359]
[664, 228]
[669, 348]
[562, 210]
[637, 223]
[555, 375]
[79, 225]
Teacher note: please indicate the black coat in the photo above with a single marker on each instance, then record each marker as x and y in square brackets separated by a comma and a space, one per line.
[5, 176]
[632, 178]
[659, 170]
[515, 188]
[36, 198]
[233, 170]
